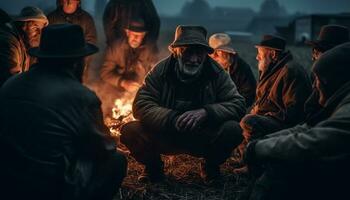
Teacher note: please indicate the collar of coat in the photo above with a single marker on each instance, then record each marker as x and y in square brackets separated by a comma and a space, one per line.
[285, 58]
[210, 72]
[332, 104]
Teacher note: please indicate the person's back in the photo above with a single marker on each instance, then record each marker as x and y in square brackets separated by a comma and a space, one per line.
[52, 133]
[41, 126]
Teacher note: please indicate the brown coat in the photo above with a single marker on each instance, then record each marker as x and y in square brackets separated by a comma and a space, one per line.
[242, 75]
[80, 17]
[123, 62]
[13, 53]
[282, 92]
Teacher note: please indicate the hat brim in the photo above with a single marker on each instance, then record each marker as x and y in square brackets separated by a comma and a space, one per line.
[182, 44]
[226, 49]
[26, 19]
[89, 49]
[268, 47]
[319, 44]
[136, 29]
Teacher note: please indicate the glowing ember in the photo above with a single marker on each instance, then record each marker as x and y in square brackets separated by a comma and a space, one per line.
[121, 114]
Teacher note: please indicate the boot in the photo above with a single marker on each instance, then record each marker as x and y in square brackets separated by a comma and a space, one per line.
[152, 173]
[210, 173]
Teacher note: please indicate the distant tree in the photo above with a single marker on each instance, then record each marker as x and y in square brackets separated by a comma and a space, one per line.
[271, 8]
[196, 9]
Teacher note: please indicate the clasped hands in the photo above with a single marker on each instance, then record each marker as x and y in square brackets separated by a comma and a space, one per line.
[191, 120]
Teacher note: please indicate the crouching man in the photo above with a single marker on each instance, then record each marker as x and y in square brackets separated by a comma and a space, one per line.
[53, 141]
[188, 104]
[310, 161]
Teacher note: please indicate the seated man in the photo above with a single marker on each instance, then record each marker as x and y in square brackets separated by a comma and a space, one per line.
[118, 13]
[311, 161]
[329, 37]
[16, 37]
[53, 142]
[282, 90]
[128, 60]
[240, 72]
[188, 104]
[70, 11]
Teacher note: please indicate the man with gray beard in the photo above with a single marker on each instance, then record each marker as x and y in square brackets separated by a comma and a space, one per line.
[282, 90]
[187, 105]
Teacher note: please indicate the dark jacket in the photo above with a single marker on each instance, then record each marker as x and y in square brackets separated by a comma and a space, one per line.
[323, 139]
[282, 92]
[243, 77]
[163, 96]
[123, 62]
[117, 14]
[79, 17]
[13, 53]
[52, 132]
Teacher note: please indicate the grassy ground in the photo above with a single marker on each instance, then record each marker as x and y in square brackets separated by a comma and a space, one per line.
[182, 182]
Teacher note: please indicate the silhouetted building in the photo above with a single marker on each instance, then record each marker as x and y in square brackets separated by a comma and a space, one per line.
[308, 27]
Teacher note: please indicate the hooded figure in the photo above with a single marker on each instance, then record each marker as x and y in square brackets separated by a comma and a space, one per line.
[118, 14]
[311, 161]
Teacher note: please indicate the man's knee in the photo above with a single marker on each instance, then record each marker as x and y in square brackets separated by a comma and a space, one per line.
[248, 122]
[120, 163]
[231, 133]
[130, 132]
[249, 125]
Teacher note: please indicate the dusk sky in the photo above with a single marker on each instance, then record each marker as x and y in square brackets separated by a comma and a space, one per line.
[172, 7]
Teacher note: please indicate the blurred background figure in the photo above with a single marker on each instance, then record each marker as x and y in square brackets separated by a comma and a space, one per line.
[16, 37]
[128, 59]
[118, 14]
[240, 72]
[70, 11]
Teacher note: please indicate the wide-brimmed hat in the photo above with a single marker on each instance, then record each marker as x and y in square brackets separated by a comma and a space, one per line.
[136, 25]
[272, 42]
[221, 41]
[63, 41]
[186, 35]
[31, 13]
[330, 36]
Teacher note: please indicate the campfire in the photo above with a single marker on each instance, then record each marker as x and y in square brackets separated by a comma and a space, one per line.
[120, 115]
